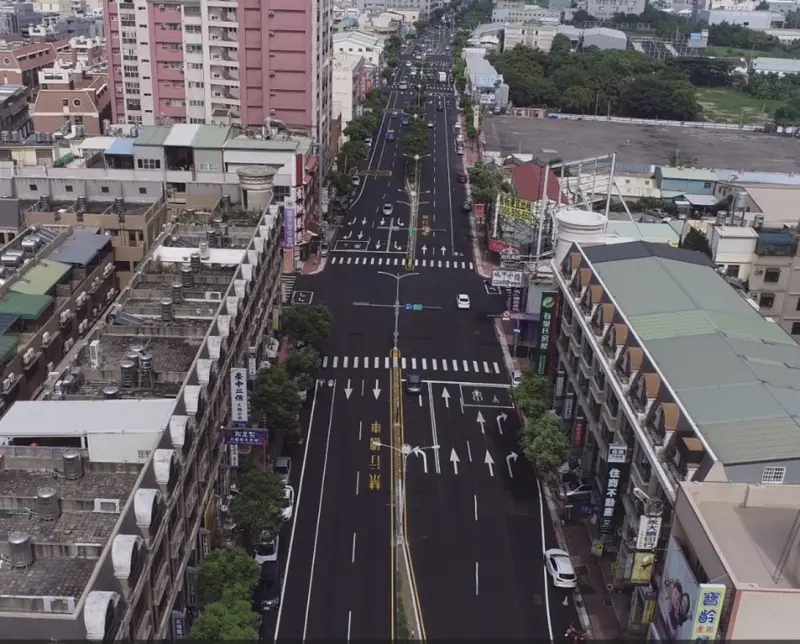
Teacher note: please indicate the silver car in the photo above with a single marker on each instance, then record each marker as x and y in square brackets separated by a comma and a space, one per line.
[283, 468]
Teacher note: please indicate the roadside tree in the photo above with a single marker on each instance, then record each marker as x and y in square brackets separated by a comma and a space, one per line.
[696, 240]
[232, 618]
[258, 506]
[303, 365]
[306, 324]
[341, 183]
[544, 444]
[531, 396]
[276, 401]
[219, 569]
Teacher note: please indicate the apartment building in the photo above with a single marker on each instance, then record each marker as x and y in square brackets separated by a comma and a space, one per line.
[21, 61]
[349, 85]
[109, 549]
[360, 43]
[163, 172]
[513, 12]
[530, 34]
[88, 51]
[666, 375]
[57, 27]
[249, 62]
[607, 8]
[14, 112]
[71, 98]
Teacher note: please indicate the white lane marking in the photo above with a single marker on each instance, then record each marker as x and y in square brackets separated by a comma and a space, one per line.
[335, 361]
[444, 365]
[357, 260]
[413, 363]
[386, 363]
[471, 266]
[325, 362]
[447, 264]
[353, 553]
[349, 623]
[345, 361]
[403, 363]
[355, 362]
[424, 365]
[469, 452]
[496, 368]
[416, 262]
[433, 363]
[358, 481]
[485, 367]
[377, 363]
[349, 259]
[474, 498]
[474, 366]
[477, 580]
[372, 261]
[299, 499]
[466, 365]
[455, 365]
[439, 264]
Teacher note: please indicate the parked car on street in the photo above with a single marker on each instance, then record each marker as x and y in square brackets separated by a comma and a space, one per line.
[559, 567]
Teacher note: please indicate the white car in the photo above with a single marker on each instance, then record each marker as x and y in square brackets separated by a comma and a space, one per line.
[388, 209]
[288, 510]
[368, 141]
[559, 567]
[267, 550]
[516, 378]
[462, 301]
[430, 124]
[356, 181]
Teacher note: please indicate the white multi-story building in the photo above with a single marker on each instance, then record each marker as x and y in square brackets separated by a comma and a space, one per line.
[348, 85]
[512, 13]
[531, 34]
[359, 43]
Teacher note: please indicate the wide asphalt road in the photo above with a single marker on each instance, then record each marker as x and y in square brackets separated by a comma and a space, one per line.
[474, 519]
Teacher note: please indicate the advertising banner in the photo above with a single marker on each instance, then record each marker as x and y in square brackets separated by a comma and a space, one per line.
[480, 212]
[642, 571]
[616, 472]
[578, 432]
[677, 597]
[710, 599]
[649, 530]
[516, 299]
[487, 99]
[488, 81]
[546, 313]
[245, 436]
[515, 208]
[289, 223]
[239, 396]
[507, 279]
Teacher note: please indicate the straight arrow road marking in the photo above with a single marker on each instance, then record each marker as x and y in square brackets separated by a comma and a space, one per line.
[501, 418]
[454, 460]
[348, 390]
[511, 458]
[482, 422]
[446, 396]
[489, 462]
[376, 390]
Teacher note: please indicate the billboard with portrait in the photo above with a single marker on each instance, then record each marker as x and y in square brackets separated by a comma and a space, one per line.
[677, 597]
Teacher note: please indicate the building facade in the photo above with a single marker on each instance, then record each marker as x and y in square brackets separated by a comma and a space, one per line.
[184, 62]
[348, 85]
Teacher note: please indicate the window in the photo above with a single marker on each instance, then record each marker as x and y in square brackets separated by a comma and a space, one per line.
[142, 191]
[104, 189]
[68, 188]
[148, 164]
[33, 187]
[766, 301]
[76, 102]
[707, 185]
[64, 102]
[795, 328]
[772, 275]
[773, 475]
[732, 270]
[797, 306]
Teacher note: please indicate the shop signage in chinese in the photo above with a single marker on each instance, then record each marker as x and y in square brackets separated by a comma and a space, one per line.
[516, 299]
[546, 312]
[569, 406]
[578, 432]
[710, 600]
[289, 223]
[616, 470]
[649, 531]
[245, 436]
[239, 397]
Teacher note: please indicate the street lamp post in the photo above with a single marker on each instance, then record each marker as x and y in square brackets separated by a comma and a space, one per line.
[397, 278]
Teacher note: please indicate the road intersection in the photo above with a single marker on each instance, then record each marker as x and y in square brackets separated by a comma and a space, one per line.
[472, 512]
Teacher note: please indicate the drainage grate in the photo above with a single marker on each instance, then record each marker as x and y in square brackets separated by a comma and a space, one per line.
[608, 603]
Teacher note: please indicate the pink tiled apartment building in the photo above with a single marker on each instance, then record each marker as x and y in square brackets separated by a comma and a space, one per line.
[232, 61]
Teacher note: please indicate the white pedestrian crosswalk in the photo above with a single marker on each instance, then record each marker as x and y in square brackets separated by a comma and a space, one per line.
[413, 364]
[400, 261]
[287, 286]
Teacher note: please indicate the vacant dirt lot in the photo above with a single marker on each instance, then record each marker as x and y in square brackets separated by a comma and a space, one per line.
[572, 140]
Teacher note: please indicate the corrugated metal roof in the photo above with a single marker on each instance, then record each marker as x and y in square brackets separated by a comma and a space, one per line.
[181, 135]
[28, 307]
[694, 174]
[736, 374]
[97, 143]
[211, 136]
[154, 135]
[41, 279]
[8, 347]
[655, 232]
[121, 147]
[75, 255]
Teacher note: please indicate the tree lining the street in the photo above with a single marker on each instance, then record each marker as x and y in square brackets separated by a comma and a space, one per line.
[276, 402]
[307, 324]
[541, 439]
[485, 184]
[231, 618]
[223, 568]
[257, 507]
[302, 366]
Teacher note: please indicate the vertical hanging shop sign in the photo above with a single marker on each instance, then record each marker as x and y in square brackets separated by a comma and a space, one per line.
[616, 472]
[546, 311]
[289, 223]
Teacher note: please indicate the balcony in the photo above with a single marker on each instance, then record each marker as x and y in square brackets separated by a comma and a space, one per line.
[223, 56]
[575, 342]
[611, 419]
[162, 579]
[587, 363]
[598, 387]
[568, 323]
[222, 77]
[145, 628]
[687, 455]
[641, 473]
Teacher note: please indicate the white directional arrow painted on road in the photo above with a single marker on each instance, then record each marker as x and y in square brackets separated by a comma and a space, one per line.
[348, 235]
[377, 390]
[501, 418]
[399, 223]
[360, 235]
[424, 249]
[443, 249]
[482, 422]
[396, 246]
[352, 223]
[377, 245]
[446, 396]
[364, 221]
[511, 458]
[454, 460]
[424, 457]
[348, 390]
[383, 222]
[489, 462]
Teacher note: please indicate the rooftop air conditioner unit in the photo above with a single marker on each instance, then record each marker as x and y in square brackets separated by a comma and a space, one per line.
[108, 269]
[68, 345]
[46, 339]
[65, 317]
[8, 383]
[83, 326]
[27, 357]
